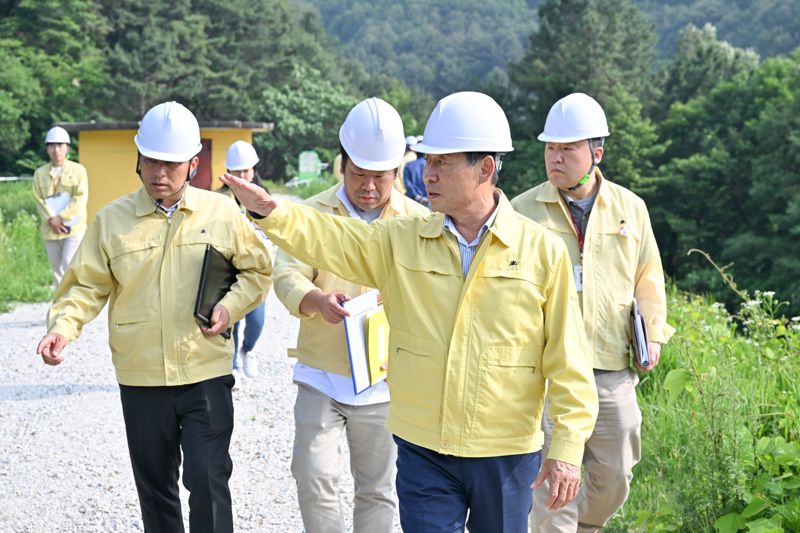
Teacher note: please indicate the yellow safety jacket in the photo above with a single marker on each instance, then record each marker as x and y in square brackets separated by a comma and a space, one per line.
[620, 261]
[468, 357]
[148, 269]
[74, 182]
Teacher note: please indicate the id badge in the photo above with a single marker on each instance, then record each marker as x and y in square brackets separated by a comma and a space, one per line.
[577, 270]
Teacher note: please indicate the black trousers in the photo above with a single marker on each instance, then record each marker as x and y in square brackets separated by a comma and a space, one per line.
[162, 421]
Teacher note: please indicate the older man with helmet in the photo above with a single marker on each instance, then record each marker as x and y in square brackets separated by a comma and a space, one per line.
[614, 259]
[483, 311]
[143, 254]
[372, 147]
[61, 190]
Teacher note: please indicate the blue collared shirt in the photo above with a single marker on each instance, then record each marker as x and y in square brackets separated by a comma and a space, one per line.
[468, 249]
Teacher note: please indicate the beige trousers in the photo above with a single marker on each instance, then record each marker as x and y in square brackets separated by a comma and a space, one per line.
[317, 463]
[611, 453]
[60, 252]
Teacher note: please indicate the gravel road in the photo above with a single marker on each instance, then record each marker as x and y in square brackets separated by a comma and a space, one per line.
[64, 462]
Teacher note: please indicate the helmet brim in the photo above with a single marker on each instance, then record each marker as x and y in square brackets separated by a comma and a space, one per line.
[166, 156]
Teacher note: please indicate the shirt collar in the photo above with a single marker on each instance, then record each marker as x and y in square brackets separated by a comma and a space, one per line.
[450, 225]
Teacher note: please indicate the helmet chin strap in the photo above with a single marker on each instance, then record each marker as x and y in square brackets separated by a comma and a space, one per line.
[586, 177]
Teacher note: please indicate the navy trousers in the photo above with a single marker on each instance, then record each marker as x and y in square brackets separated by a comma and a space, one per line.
[162, 421]
[443, 493]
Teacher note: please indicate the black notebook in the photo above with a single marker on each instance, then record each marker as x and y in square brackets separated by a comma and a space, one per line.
[216, 278]
[639, 336]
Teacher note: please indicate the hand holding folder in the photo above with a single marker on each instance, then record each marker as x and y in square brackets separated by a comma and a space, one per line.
[217, 275]
[641, 352]
[367, 332]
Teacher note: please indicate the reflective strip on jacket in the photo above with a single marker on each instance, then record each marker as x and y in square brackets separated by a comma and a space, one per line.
[73, 181]
[620, 260]
[321, 344]
[468, 358]
[148, 270]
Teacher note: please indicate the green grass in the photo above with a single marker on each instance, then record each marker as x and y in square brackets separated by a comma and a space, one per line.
[24, 267]
[315, 187]
[720, 433]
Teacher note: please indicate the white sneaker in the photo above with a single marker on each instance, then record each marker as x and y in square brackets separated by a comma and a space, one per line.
[238, 379]
[250, 364]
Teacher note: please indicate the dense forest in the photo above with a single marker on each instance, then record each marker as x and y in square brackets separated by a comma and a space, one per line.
[703, 97]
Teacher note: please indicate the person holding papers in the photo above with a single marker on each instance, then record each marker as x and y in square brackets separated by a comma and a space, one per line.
[482, 312]
[61, 190]
[372, 145]
[143, 254]
[614, 258]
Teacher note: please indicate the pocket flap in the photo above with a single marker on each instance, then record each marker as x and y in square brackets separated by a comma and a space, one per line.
[513, 356]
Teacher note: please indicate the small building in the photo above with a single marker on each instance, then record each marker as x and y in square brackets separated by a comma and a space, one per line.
[109, 155]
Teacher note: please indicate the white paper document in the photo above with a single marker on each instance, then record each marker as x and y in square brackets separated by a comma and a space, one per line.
[355, 327]
[58, 202]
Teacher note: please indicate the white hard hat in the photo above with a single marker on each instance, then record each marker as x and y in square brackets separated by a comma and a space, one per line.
[466, 122]
[57, 135]
[411, 140]
[575, 117]
[419, 138]
[372, 135]
[240, 156]
[169, 132]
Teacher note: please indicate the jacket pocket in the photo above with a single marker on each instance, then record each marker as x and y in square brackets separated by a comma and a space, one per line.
[517, 318]
[415, 379]
[616, 330]
[132, 342]
[510, 392]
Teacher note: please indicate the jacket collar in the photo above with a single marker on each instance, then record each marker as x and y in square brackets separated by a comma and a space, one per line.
[145, 204]
[549, 193]
[504, 227]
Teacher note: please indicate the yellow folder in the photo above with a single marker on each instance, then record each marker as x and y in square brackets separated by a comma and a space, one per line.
[377, 344]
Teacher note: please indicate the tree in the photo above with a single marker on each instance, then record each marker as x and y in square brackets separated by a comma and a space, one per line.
[215, 56]
[700, 63]
[308, 110]
[602, 48]
[52, 70]
[764, 251]
[20, 92]
[440, 47]
[707, 175]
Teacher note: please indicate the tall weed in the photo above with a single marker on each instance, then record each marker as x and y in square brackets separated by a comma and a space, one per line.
[720, 434]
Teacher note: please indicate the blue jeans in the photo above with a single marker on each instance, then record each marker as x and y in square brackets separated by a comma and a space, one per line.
[436, 491]
[253, 325]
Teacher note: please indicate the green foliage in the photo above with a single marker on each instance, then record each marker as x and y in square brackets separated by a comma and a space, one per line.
[441, 47]
[215, 56]
[612, 62]
[721, 436]
[771, 27]
[308, 111]
[699, 64]
[24, 267]
[325, 182]
[51, 68]
[732, 151]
